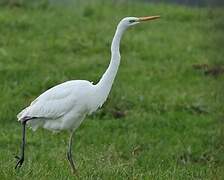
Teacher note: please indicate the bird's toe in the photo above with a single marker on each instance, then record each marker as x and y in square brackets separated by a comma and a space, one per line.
[19, 162]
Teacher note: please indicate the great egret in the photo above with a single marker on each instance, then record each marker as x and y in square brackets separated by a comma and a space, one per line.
[64, 106]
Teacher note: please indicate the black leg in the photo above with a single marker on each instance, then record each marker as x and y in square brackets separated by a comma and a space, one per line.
[21, 158]
[69, 154]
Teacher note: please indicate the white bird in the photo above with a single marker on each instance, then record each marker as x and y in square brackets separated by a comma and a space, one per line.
[64, 106]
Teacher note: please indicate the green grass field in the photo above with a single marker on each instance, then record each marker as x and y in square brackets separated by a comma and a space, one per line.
[164, 118]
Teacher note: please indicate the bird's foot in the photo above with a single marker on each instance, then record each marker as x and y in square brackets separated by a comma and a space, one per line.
[19, 162]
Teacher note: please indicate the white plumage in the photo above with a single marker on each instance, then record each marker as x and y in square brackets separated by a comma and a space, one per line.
[64, 106]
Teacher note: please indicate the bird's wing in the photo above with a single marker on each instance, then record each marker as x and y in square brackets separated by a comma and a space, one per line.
[52, 104]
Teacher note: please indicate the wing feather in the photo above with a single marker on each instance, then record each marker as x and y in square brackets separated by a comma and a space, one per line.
[52, 104]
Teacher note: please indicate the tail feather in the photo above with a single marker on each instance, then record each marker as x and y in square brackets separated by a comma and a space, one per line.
[34, 122]
[21, 114]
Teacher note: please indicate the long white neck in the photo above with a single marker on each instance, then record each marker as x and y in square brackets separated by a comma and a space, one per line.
[105, 83]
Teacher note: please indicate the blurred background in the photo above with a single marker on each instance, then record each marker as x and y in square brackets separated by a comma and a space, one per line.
[181, 2]
[164, 118]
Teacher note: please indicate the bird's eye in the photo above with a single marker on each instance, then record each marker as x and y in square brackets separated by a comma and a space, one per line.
[131, 21]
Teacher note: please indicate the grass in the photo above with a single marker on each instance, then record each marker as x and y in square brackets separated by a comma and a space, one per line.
[164, 118]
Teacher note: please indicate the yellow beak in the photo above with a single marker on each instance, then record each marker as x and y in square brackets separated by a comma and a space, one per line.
[147, 18]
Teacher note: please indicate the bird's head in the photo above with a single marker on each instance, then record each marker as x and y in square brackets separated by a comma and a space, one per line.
[130, 21]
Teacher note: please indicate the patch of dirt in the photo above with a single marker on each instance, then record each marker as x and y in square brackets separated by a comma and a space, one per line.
[209, 70]
[118, 113]
[215, 71]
